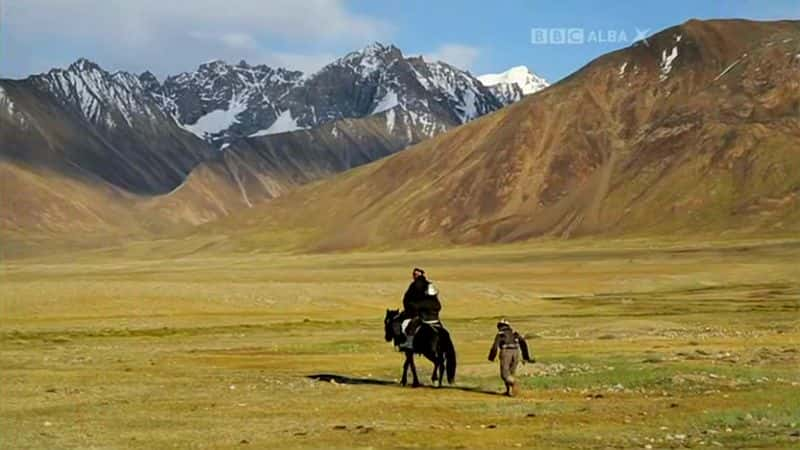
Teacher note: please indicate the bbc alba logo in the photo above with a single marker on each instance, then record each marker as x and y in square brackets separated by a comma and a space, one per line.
[557, 36]
[580, 36]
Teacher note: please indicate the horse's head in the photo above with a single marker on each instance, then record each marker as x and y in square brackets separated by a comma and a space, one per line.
[387, 324]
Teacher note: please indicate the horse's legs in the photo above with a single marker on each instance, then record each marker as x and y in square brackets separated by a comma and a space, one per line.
[416, 382]
[404, 380]
[438, 366]
[441, 369]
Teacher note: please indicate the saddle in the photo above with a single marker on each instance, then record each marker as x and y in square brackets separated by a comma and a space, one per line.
[408, 328]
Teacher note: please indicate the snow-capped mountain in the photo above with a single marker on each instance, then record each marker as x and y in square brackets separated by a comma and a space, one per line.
[222, 103]
[88, 120]
[145, 136]
[513, 84]
[103, 98]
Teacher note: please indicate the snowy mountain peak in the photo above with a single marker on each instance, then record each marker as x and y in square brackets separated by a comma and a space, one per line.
[514, 83]
[377, 48]
[217, 66]
[370, 58]
[103, 98]
[213, 63]
[518, 71]
[148, 80]
[84, 65]
[527, 81]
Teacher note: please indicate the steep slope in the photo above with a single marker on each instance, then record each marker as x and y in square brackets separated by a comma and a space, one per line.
[695, 131]
[84, 121]
[257, 169]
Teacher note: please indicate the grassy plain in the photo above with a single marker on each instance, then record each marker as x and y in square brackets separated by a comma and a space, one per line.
[639, 345]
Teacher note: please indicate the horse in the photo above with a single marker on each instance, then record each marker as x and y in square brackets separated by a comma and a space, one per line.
[433, 343]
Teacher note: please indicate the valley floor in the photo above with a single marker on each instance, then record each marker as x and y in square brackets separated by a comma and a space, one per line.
[638, 346]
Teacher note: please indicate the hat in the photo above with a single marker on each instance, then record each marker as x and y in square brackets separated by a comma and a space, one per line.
[417, 269]
[503, 323]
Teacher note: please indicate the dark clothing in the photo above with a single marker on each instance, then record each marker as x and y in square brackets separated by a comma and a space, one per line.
[417, 302]
[509, 339]
[510, 344]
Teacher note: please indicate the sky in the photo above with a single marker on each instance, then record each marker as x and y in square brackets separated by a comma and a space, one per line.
[172, 36]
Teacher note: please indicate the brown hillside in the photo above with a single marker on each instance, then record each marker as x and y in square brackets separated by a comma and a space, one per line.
[696, 131]
[258, 169]
[39, 205]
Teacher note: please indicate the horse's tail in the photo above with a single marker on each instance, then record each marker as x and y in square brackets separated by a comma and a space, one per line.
[449, 355]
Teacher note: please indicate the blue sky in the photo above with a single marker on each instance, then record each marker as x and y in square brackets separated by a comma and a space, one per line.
[168, 37]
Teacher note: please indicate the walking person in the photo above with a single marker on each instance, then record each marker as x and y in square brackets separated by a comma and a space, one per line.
[509, 344]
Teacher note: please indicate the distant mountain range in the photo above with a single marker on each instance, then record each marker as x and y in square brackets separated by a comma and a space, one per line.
[276, 128]
[223, 103]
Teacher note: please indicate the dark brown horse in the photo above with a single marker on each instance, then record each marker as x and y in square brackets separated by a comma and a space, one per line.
[431, 341]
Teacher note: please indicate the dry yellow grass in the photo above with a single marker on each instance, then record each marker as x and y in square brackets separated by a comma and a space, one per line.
[665, 345]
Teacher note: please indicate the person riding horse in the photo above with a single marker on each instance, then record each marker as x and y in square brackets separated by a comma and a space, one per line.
[420, 303]
[418, 330]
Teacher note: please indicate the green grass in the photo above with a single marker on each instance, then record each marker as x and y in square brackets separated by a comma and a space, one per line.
[659, 344]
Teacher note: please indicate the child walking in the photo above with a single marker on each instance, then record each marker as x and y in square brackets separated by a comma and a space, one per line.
[509, 343]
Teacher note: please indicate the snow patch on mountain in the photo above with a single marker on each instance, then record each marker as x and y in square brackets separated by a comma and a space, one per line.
[217, 120]
[388, 102]
[6, 101]
[390, 120]
[221, 102]
[409, 133]
[469, 109]
[622, 69]
[666, 62]
[283, 124]
[10, 108]
[425, 122]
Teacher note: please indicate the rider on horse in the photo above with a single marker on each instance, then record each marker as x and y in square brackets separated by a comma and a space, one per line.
[417, 330]
[420, 304]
